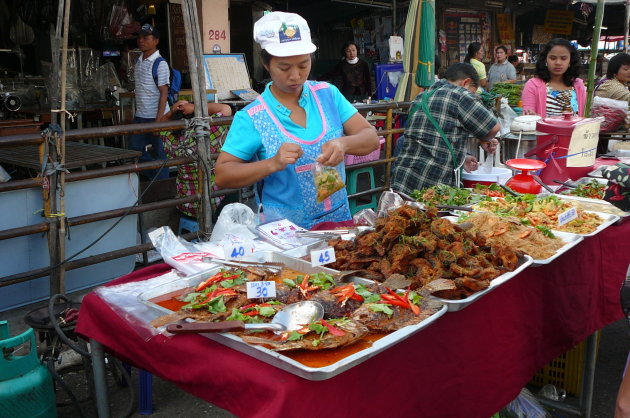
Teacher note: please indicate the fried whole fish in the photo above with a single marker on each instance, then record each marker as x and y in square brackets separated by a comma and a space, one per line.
[350, 332]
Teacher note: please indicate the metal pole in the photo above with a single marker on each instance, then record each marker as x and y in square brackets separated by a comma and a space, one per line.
[100, 385]
[599, 16]
[198, 81]
[588, 374]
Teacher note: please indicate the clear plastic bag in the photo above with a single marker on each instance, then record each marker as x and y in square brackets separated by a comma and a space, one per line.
[327, 181]
[506, 118]
[612, 111]
[527, 406]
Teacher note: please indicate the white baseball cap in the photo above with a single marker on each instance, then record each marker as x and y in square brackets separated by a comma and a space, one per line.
[283, 34]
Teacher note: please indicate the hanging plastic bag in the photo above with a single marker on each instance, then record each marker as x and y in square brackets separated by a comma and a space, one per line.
[235, 219]
[506, 118]
[327, 181]
[613, 112]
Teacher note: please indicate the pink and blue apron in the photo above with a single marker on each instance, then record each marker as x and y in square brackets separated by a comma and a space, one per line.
[291, 193]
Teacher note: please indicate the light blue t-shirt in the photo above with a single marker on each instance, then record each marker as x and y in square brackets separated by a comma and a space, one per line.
[243, 140]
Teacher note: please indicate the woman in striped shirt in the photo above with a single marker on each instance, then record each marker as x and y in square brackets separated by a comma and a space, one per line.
[556, 88]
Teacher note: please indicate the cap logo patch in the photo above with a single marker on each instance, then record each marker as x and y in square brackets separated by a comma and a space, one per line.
[289, 33]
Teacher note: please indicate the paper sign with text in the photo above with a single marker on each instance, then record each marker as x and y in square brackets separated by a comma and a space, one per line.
[583, 144]
[324, 256]
[236, 250]
[567, 216]
[262, 289]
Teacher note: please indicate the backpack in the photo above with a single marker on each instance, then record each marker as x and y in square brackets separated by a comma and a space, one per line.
[174, 82]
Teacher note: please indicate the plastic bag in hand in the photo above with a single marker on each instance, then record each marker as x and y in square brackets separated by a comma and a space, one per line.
[327, 181]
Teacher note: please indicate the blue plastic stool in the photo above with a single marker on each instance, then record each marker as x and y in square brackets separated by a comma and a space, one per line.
[145, 392]
[187, 224]
[352, 189]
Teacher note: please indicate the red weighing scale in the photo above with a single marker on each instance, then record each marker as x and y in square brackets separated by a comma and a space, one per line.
[525, 182]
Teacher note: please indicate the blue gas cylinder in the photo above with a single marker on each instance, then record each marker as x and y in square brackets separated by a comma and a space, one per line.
[26, 386]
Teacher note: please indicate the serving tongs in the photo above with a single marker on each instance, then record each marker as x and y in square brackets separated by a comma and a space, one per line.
[267, 265]
[323, 234]
[565, 184]
[542, 183]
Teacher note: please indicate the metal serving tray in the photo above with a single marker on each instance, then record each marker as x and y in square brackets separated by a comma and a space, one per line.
[608, 218]
[275, 358]
[571, 240]
[596, 205]
[458, 305]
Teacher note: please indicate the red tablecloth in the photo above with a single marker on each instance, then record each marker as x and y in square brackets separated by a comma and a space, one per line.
[468, 364]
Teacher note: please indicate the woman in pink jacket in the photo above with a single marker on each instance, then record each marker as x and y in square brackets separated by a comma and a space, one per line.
[556, 87]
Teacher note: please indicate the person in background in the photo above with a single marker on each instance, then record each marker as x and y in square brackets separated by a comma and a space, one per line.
[556, 87]
[501, 71]
[177, 145]
[151, 99]
[453, 113]
[473, 57]
[354, 73]
[277, 139]
[615, 84]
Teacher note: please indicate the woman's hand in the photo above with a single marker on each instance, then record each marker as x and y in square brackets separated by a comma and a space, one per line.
[470, 164]
[333, 153]
[491, 146]
[287, 154]
[529, 112]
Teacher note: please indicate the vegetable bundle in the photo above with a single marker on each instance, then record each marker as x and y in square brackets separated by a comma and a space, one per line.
[510, 91]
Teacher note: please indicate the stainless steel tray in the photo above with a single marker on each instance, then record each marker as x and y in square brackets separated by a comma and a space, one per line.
[571, 240]
[458, 305]
[608, 220]
[278, 359]
[596, 205]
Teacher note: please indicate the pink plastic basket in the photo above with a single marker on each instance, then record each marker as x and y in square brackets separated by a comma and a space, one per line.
[373, 156]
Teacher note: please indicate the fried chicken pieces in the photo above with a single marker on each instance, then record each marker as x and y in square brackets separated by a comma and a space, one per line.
[424, 248]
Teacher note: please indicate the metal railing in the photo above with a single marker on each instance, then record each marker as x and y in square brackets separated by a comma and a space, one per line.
[109, 131]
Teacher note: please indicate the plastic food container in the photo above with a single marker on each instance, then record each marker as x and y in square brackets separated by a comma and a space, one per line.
[498, 175]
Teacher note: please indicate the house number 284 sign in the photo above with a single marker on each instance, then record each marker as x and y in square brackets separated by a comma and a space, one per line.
[216, 34]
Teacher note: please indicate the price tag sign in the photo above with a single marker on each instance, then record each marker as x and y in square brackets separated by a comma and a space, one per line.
[237, 250]
[567, 216]
[257, 290]
[325, 256]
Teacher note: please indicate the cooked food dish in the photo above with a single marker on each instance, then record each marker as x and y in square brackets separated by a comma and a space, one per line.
[538, 242]
[425, 248]
[593, 190]
[543, 211]
[446, 195]
[327, 182]
[350, 310]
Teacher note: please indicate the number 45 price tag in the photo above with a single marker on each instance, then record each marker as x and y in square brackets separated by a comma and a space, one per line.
[325, 256]
[257, 290]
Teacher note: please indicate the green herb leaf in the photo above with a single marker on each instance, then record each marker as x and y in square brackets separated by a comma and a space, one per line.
[381, 307]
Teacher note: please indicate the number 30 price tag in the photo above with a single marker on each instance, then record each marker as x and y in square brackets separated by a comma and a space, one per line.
[257, 290]
[325, 256]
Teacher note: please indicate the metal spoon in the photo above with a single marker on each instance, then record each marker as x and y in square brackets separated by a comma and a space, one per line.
[292, 317]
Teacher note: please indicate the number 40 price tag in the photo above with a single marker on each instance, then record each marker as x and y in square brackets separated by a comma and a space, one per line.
[325, 256]
[234, 251]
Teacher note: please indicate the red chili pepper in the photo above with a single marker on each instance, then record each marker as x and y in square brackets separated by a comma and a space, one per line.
[251, 313]
[333, 330]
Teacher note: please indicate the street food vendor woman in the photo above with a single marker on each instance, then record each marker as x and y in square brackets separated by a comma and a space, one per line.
[294, 123]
